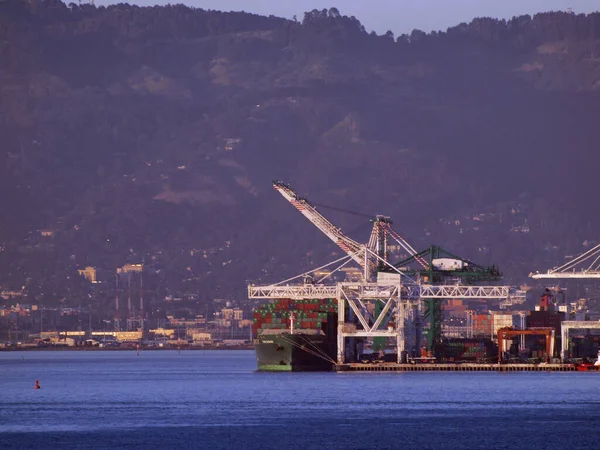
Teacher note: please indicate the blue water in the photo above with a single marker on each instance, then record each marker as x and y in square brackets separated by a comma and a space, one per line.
[216, 400]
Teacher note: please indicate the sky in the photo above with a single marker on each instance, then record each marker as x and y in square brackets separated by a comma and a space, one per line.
[399, 16]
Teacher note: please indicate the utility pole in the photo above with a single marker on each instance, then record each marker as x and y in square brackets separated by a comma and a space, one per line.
[129, 301]
[141, 301]
[117, 327]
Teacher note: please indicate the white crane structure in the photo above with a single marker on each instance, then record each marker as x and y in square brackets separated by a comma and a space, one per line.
[568, 325]
[400, 295]
[586, 265]
[369, 256]
[350, 246]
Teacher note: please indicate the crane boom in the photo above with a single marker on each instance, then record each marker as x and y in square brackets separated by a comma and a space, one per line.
[355, 250]
[576, 268]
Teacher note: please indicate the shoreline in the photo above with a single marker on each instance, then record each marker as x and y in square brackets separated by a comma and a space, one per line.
[121, 349]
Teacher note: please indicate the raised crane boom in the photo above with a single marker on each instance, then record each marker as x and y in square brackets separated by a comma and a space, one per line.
[355, 250]
[372, 256]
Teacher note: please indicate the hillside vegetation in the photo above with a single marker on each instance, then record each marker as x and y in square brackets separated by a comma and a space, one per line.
[152, 135]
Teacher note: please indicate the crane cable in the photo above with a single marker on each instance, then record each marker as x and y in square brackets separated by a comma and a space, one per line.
[393, 232]
[314, 270]
[327, 358]
[347, 211]
[317, 348]
[398, 235]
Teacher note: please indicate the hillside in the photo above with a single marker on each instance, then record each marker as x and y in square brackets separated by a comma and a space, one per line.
[152, 135]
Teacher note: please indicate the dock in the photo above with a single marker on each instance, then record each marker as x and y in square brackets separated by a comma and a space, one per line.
[394, 367]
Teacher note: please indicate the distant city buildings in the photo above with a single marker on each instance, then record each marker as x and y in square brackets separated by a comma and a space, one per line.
[89, 273]
[7, 295]
[130, 268]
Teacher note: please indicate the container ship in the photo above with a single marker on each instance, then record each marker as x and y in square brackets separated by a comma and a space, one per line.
[296, 335]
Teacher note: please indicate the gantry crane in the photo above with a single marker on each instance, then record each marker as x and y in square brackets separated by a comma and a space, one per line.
[390, 285]
[576, 268]
[439, 266]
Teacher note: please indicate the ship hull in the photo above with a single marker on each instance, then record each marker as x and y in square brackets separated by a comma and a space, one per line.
[294, 353]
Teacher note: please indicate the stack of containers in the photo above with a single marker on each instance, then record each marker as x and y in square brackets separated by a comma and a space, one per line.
[468, 350]
[308, 314]
[473, 351]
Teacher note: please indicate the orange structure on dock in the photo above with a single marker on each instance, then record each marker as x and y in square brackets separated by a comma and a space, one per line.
[504, 333]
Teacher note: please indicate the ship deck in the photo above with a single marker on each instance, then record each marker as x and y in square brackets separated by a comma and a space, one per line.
[393, 367]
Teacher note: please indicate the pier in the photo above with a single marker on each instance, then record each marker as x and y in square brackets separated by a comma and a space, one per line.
[393, 367]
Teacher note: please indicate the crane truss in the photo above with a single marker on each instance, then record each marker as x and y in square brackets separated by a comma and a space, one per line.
[295, 292]
[378, 290]
[444, 291]
[357, 297]
[584, 274]
[586, 265]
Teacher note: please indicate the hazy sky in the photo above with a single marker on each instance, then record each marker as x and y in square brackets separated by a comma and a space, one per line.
[400, 16]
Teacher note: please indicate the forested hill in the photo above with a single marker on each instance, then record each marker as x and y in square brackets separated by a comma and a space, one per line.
[152, 134]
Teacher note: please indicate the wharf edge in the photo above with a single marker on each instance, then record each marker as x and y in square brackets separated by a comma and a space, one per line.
[392, 367]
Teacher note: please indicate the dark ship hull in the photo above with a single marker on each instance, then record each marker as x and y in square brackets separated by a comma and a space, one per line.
[298, 352]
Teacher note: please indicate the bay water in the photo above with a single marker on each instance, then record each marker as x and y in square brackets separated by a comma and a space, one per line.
[217, 400]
